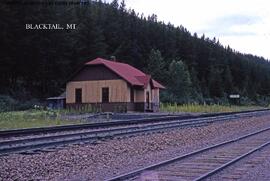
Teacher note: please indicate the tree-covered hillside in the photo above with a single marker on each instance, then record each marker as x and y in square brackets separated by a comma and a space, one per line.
[36, 63]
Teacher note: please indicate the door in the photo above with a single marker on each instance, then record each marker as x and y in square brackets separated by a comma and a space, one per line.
[105, 95]
[78, 96]
[147, 100]
[131, 94]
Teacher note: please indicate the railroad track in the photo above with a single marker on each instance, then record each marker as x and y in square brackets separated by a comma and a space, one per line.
[53, 129]
[36, 143]
[203, 163]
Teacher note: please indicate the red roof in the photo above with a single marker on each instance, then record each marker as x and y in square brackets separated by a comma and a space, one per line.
[127, 72]
[145, 79]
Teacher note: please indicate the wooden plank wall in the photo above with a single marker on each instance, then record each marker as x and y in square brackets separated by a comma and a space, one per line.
[148, 89]
[155, 95]
[92, 90]
[139, 95]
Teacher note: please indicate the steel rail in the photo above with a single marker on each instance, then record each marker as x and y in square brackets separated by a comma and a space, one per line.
[53, 129]
[231, 162]
[35, 143]
[134, 173]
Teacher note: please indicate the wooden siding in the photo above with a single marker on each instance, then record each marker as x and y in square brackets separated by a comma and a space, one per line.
[91, 91]
[139, 95]
[148, 89]
[155, 95]
[95, 72]
[155, 100]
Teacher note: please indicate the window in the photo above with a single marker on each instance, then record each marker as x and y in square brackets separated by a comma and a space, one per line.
[131, 94]
[105, 94]
[78, 95]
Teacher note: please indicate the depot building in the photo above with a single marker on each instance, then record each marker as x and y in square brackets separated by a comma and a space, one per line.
[110, 86]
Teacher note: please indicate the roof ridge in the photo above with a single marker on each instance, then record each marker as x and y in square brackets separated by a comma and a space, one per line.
[124, 70]
[111, 61]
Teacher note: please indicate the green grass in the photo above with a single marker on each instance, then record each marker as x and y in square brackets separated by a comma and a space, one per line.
[196, 108]
[41, 118]
[31, 118]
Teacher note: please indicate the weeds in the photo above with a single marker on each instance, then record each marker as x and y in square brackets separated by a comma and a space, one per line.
[196, 108]
[32, 118]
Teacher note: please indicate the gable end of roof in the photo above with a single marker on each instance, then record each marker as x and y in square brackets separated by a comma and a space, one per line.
[130, 74]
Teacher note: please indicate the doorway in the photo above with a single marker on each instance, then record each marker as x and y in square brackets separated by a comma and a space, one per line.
[147, 100]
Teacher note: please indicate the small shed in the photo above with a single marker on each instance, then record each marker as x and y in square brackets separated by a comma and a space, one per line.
[57, 102]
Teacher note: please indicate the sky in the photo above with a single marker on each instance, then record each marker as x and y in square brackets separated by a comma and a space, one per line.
[244, 25]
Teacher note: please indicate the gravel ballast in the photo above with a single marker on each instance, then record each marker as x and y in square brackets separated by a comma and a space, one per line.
[113, 157]
[253, 167]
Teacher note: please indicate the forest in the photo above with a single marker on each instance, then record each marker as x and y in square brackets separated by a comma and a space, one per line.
[36, 64]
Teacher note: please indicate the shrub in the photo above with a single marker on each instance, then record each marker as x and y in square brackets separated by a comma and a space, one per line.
[7, 103]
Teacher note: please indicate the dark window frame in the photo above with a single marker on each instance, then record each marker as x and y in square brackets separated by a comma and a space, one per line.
[105, 94]
[78, 95]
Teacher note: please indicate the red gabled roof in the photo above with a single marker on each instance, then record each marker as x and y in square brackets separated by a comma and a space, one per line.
[145, 79]
[158, 85]
[127, 72]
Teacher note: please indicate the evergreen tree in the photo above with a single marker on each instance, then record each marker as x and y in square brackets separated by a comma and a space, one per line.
[89, 41]
[215, 83]
[115, 4]
[194, 79]
[196, 92]
[123, 6]
[37, 62]
[179, 81]
[155, 65]
[228, 81]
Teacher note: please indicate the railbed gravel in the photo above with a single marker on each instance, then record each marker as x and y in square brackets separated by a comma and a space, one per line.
[255, 166]
[113, 157]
